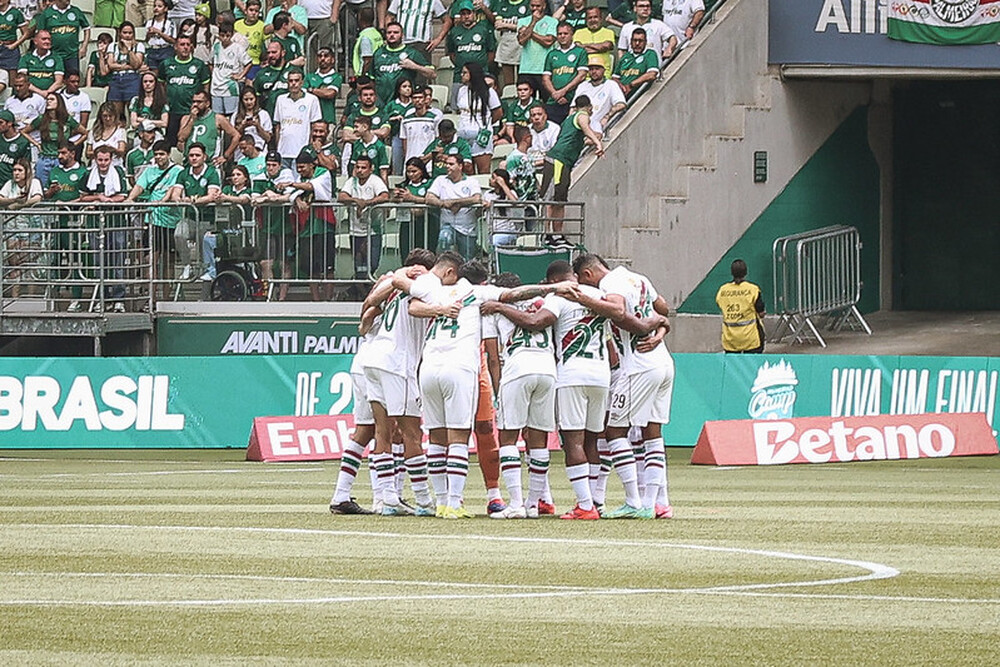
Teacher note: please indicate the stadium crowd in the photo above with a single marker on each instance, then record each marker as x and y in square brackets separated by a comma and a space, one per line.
[249, 98]
[582, 355]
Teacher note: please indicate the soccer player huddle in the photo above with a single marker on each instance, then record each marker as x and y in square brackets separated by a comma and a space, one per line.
[581, 355]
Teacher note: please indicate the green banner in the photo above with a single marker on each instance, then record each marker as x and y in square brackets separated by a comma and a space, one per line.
[248, 336]
[161, 401]
[212, 401]
[716, 386]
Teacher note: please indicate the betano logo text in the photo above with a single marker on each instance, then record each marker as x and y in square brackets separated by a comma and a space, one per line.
[779, 442]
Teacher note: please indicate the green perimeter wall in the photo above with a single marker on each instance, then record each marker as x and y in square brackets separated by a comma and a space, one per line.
[201, 402]
[839, 185]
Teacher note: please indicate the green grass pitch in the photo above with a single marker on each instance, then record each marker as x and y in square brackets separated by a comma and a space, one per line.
[194, 557]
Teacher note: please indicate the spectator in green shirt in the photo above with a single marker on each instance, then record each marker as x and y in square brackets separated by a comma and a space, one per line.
[183, 75]
[43, 66]
[55, 126]
[94, 77]
[638, 65]
[70, 31]
[282, 34]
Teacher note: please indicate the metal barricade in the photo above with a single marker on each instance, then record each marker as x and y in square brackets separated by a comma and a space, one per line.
[523, 229]
[817, 274]
[88, 259]
[96, 258]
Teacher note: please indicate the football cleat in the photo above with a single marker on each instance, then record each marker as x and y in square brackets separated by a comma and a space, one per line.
[347, 507]
[424, 510]
[495, 506]
[546, 508]
[395, 510]
[577, 513]
[626, 511]
[510, 513]
[531, 512]
[440, 511]
[645, 513]
[664, 512]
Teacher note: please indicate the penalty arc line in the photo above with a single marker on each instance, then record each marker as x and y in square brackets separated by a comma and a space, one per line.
[875, 570]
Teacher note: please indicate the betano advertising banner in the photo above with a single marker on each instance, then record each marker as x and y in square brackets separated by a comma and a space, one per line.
[212, 401]
[857, 33]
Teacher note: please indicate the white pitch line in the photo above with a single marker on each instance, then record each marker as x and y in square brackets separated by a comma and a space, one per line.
[875, 570]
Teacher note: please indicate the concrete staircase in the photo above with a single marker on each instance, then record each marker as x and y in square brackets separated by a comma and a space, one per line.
[675, 190]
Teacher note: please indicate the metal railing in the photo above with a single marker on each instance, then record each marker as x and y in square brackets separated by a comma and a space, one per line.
[89, 259]
[97, 259]
[817, 274]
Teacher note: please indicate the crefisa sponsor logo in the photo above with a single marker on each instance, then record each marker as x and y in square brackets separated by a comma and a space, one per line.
[772, 395]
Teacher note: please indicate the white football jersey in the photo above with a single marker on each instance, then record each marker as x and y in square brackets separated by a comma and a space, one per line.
[581, 341]
[455, 342]
[523, 352]
[639, 295]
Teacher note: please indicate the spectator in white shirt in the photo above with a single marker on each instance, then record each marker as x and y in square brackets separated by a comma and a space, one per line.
[456, 195]
[605, 95]
[294, 113]
[683, 17]
[361, 192]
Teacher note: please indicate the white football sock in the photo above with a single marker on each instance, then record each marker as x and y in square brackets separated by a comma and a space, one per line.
[437, 462]
[510, 471]
[624, 464]
[538, 472]
[350, 463]
[579, 479]
[416, 468]
[386, 479]
[399, 465]
[655, 471]
[458, 472]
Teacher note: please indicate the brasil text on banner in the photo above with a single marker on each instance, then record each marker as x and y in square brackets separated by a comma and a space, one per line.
[947, 22]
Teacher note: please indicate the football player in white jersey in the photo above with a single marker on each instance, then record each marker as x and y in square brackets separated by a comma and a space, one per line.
[449, 374]
[526, 393]
[582, 375]
[364, 425]
[391, 383]
[642, 394]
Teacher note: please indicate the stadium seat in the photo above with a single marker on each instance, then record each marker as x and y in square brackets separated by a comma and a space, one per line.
[140, 33]
[529, 265]
[87, 7]
[509, 92]
[97, 95]
[500, 153]
[97, 32]
[484, 180]
[441, 94]
[395, 181]
[445, 72]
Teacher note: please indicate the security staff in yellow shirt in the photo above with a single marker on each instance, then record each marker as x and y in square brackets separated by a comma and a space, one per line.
[742, 307]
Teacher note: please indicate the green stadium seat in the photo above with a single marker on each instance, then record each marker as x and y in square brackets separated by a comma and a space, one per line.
[529, 265]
